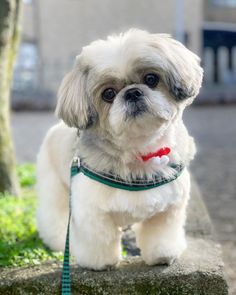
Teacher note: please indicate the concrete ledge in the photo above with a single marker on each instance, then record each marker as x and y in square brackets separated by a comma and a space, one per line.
[198, 272]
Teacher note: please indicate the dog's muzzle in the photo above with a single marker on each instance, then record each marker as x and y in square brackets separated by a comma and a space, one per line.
[135, 102]
[133, 94]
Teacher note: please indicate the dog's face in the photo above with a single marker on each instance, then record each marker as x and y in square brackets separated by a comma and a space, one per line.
[129, 84]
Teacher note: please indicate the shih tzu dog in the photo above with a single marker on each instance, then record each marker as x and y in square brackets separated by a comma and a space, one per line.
[121, 108]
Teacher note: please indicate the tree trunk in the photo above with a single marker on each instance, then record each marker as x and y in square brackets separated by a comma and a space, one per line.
[9, 35]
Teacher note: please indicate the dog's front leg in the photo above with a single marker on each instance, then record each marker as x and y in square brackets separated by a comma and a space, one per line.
[95, 240]
[162, 237]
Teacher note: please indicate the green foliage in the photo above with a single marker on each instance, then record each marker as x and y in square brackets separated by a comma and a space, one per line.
[124, 252]
[26, 174]
[20, 244]
[19, 241]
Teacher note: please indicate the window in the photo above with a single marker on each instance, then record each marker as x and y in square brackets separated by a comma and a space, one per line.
[28, 1]
[231, 3]
[26, 67]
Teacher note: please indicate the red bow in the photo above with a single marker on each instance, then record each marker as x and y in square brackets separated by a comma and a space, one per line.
[162, 152]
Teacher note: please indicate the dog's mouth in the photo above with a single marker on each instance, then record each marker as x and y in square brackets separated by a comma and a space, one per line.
[135, 109]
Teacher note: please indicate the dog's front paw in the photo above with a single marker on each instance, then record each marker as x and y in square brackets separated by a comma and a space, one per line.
[164, 253]
[106, 267]
[98, 266]
[165, 260]
[100, 259]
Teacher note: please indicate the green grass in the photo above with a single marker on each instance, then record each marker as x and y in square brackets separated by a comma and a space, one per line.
[20, 244]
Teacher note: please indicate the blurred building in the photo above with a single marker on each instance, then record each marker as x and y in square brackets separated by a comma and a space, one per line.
[219, 50]
[220, 11]
[55, 31]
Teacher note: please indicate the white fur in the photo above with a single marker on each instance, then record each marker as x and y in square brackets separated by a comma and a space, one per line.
[113, 144]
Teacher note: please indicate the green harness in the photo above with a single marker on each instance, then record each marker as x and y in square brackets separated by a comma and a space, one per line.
[111, 180]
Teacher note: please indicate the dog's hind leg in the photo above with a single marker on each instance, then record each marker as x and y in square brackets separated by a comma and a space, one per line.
[53, 192]
[52, 213]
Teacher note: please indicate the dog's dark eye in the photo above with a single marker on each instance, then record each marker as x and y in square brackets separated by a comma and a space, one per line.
[151, 80]
[109, 94]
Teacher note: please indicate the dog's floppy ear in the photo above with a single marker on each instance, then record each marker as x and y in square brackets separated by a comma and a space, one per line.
[74, 106]
[181, 70]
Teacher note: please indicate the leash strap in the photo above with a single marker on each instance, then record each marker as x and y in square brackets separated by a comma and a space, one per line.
[66, 279]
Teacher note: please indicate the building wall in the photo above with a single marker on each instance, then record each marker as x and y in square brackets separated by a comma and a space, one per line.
[194, 23]
[65, 26]
[28, 23]
[219, 13]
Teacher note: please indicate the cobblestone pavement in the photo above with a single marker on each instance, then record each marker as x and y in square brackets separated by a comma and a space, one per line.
[214, 129]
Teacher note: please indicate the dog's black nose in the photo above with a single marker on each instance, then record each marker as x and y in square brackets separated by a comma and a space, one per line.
[133, 94]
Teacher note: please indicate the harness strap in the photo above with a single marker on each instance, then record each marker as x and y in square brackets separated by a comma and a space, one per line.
[137, 184]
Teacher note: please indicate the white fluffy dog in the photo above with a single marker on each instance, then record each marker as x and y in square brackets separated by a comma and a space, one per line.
[122, 102]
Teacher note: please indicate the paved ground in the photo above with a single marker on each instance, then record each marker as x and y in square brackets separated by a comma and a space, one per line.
[214, 129]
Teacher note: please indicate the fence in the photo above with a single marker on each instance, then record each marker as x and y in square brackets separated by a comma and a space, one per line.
[220, 66]
[219, 62]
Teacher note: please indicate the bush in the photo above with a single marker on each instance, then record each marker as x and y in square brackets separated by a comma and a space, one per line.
[19, 241]
[20, 244]
[26, 174]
